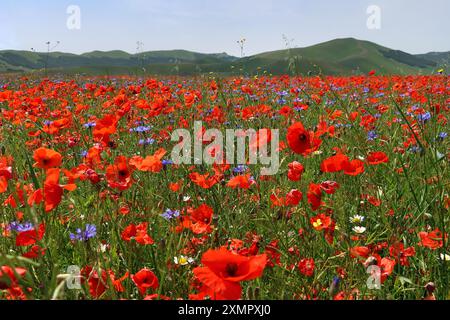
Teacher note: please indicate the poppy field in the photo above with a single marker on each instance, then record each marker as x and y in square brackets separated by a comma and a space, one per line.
[94, 207]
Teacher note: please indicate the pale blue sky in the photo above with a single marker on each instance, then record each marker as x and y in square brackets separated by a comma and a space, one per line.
[415, 26]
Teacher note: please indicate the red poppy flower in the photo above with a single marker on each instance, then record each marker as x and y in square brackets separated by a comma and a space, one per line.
[329, 187]
[354, 167]
[118, 175]
[378, 157]
[241, 181]
[314, 196]
[99, 284]
[47, 158]
[334, 164]
[150, 163]
[294, 197]
[299, 139]
[362, 252]
[145, 279]
[5, 173]
[399, 252]
[223, 270]
[204, 181]
[8, 276]
[295, 171]
[387, 267]
[306, 267]
[138, 233]
[28, 238]
[432, 240]
[321, 222]
[53, 191]
[34, 252]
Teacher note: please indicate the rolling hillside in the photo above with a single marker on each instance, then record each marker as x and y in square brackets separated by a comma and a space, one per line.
[336, 57]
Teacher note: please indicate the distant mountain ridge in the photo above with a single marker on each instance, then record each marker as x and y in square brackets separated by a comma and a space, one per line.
[335, 57]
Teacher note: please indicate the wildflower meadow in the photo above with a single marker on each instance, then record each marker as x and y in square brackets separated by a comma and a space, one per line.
[105, 192]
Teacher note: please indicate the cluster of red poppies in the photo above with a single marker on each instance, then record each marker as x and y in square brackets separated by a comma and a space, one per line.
[86, 179]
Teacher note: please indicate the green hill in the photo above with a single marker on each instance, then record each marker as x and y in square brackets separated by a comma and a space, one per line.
[441, 58]
[336, 57]
[340, 56]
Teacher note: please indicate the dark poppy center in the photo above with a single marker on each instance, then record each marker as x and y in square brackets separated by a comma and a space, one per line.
[45, 161]
[231, 269]
[122, 173]
[302, 137]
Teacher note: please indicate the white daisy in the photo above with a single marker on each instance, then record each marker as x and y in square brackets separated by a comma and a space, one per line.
[183, 260]
[445, 257]
[359, 229]
[357, 219]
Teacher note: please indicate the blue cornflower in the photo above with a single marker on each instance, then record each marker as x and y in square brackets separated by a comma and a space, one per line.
[240, 169]
[281, 101]
[20, 227]
[166, 162]
[442, 136]
[146, 142]
[334, 287]
[424, 117]
[140, 129]
[89, 125]
[47, 122]
[170, 214]
[372, 135]
[415, 149]
[80, 235]
[83, 153]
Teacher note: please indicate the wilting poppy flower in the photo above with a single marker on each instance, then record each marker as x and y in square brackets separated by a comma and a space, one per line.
[223, 270]
[375, 158]
[47, 158]
[145, 279]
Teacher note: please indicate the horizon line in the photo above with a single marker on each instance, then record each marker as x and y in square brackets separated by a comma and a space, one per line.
[223, 52]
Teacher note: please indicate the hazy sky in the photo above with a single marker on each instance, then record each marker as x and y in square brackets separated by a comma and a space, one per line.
[415, 26]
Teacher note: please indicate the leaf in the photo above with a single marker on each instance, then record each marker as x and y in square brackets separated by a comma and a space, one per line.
[33, 174]
[404, 280]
